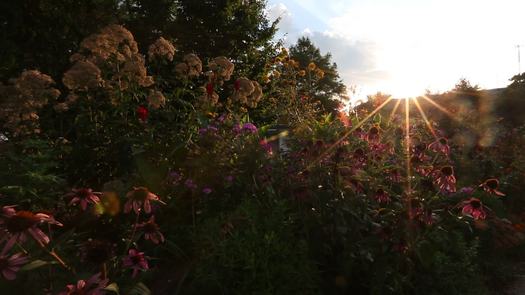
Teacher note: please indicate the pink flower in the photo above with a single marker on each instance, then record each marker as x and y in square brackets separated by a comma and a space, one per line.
[84, 196]
[473, 208]
[359, 158]
[10, 265]
[427, 216]
[381, 196]
[266, 146]
[419, 166]
[444, 178]
[394, 175]
[491, 186]
[207, 190]
[93, 286]
[151, 231]
[373, 134]
[440, 146]
[136, 261]
[138, 197]
[16, 226]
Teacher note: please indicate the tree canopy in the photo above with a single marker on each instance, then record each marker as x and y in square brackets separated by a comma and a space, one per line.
[321, 82]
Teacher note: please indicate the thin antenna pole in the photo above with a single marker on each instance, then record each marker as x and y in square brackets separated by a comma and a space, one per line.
[519, 59]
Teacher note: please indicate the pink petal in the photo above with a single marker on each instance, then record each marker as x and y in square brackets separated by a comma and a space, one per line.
[9, 274]
[147, 206]
[38, 235]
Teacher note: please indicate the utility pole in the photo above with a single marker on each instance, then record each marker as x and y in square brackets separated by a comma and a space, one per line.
[519, 59]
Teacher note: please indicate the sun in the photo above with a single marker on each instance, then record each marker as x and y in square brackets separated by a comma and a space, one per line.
[400, 90]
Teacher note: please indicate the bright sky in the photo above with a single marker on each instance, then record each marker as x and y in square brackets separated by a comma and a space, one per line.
[403, 47]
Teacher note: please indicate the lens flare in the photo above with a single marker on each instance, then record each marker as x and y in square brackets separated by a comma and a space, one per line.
[331, 147]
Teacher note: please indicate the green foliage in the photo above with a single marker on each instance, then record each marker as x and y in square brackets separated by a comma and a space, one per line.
[258, 252]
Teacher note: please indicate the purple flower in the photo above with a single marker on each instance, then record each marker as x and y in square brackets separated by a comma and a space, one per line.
[221, 118]
[229, 178]
[10, 265]
[207, 190]
[249, 127]
[136, 261]
[174, 178]
[189, 183]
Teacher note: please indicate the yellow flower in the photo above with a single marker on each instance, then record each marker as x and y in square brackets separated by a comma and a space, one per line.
[319, 73]
[311, 66]
[302, 73]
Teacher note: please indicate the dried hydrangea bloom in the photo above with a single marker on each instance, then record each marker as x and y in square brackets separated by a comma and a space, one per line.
[93, 286]
[209, 95]
[156, 99]
[247, 92]
[162, 48]
[134, 70]
[83, 75]
[244, 86]
[115, 50]
[255, 96]
[22, 98]
[181, 69]
[194, 65]
[9, 266]
[37, 86]
[112, 41]
[222, 67]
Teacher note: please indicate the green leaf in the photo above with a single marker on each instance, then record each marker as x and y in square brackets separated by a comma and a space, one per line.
[113, 287]
[139, 289]
[36, 264]
[377, 118]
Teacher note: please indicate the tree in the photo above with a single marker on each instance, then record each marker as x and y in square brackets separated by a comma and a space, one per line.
[321, 81]
[42, 34]
[238, 29]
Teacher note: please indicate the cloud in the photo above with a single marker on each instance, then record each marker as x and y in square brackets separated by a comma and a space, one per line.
[280, 11]
[355, 59]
